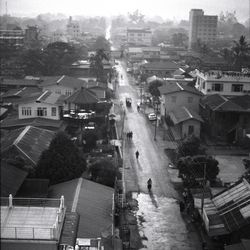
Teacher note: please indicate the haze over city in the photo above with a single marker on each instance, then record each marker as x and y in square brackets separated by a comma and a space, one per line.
[177, 9]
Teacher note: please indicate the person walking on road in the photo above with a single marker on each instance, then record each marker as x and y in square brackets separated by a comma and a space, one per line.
[137, 154]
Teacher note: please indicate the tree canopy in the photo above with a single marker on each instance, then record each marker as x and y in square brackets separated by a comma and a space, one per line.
[104, 171]
[192, 168]
[96, 65]
[153, 88]
[101, 43]
[136, 17]
[190, 146]
[61, 161]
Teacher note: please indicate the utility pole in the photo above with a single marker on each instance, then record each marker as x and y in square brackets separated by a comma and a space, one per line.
[203, 186]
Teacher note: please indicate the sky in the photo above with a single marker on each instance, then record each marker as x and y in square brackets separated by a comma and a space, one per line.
[167, 9]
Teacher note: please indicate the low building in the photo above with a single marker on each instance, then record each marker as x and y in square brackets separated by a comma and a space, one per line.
[139, 36]
[226, 119]
[159, 69]
[47, 105]
[31, 223]
[226, 83]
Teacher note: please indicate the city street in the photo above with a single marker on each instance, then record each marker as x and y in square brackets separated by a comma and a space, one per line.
[160, 223]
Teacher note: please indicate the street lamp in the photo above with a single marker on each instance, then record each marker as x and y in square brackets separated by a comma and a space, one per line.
[157, 102]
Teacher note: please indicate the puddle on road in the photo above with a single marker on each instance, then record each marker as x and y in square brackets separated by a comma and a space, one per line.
[160, 223]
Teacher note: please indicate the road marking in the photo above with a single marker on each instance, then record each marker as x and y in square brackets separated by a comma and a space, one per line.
[76, 197]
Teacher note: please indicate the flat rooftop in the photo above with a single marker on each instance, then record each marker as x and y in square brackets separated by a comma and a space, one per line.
[31, 222]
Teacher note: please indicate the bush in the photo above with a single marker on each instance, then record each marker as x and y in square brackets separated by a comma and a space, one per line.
[104, 172]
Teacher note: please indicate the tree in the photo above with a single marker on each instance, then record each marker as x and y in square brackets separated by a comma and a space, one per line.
[101, 43]
[189, 147]
[96, 65]
[153, 88]
[61, 161]
[192, 168]
[90, 139]
[241, 53]
[104, 172]
[136, 17]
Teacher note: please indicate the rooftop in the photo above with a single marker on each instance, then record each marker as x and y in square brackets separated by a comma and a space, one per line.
[167, 65]
[181, 114]
[224, 76]
[29, 141]
[32, 219]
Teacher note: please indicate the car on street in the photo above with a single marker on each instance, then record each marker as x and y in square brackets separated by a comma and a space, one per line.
[152, 117]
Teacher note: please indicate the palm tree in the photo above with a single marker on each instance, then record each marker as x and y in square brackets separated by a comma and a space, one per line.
[241, 52]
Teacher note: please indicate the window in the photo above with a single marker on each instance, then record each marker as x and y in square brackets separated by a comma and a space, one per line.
[26, 111]
[58, 91]
[190, 99]
[217, 87]
[68, 92]
[237, 87]
[41, 111]
[204, 85]
[173, 98]
[190, 129]
[53, 111]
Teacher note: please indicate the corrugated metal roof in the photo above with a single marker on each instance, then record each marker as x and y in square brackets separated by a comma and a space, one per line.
[11, 179]
[94, 205]
[30, 142]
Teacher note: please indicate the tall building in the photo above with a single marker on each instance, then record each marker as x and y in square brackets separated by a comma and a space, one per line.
[201, 27]
[139, 37]
[73, 28]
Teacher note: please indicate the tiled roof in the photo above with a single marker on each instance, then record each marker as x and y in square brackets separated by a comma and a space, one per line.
[83, 96]
[20, 82]
[22, 92]
[172, 87]
[67, 81]
[94, 205]
[222, 103]
[181, 114]
[168, 65]
[35, 122]
[45, 97]
[29, 141]
[11, 179]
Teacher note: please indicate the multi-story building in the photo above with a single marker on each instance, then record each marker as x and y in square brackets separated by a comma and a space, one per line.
[226, 83]
[139, 36]
[202, 27]
[12, 38]
[73, 29]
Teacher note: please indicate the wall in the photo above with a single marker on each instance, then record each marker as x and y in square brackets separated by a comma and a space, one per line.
[34, 107]
[181, 100]
[28, 245]
[188, 123]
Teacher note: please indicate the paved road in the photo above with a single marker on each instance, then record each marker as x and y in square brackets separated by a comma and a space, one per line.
[160, 223]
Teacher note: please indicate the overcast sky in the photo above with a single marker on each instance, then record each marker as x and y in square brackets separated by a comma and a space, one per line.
[170, 9]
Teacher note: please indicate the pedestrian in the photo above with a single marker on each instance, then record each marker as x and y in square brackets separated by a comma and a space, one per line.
[182, 206]
[127, 135]
[137, 154]
[131, 135]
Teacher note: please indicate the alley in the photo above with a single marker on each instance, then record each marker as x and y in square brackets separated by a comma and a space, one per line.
[160, 223]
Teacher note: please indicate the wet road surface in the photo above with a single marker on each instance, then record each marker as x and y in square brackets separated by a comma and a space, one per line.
[160, 222]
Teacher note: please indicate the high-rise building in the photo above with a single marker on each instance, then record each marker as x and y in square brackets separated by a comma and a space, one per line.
[73, 28]
[201, 27]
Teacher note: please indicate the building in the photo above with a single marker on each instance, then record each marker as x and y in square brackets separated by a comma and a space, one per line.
[180, 104]
[226, 83]
[139, 37]
[46, 105]
[31, 36]
[12, 38]
[226, 119]
[31, 223]
[202, 27]
[159, 69]
[73, 29]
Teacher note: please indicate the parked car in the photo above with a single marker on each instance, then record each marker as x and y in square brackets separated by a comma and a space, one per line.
[152, 117]
[90, 126]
